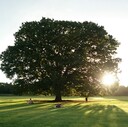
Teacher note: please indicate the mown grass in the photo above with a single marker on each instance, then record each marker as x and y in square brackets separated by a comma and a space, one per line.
[98, 112]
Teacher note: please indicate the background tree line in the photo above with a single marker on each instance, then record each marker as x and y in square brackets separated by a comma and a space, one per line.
[14, 89]
[6, 88]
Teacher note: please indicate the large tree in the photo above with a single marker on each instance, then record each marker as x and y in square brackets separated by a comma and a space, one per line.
[60, 55]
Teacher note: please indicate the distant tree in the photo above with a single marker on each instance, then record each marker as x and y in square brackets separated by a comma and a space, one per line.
[121, 91]
[6, 88]
[58, 56]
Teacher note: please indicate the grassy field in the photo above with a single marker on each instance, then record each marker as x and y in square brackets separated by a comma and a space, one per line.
[98, 112]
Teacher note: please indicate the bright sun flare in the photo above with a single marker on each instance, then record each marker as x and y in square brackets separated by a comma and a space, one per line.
[108, 79]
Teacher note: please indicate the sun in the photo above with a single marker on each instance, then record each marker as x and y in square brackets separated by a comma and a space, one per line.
[108, 79]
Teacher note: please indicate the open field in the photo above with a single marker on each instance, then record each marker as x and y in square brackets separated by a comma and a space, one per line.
[98, 112]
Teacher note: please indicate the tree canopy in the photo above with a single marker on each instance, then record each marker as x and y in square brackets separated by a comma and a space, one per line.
[57, 56]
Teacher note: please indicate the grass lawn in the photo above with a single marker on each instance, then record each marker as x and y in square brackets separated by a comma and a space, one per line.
[98, 112]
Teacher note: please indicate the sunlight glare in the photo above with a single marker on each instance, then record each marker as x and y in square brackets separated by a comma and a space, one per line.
[108, 79]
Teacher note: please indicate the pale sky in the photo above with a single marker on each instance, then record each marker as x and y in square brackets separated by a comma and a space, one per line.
[112, 14]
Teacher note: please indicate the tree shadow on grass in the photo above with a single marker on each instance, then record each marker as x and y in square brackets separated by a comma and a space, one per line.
[22, 114]
[15, 106]
[105, 116]
[70, 115]
[90, 116]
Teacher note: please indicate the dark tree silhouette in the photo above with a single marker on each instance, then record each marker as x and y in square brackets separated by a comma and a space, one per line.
[60, 55]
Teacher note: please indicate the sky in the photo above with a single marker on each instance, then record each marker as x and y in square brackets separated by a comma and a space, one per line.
[112, 14]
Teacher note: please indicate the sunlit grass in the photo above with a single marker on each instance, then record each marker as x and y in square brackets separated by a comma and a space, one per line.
[98, 112]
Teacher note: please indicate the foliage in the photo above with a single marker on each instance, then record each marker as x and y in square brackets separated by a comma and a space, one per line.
[57, 56]
[6, 88]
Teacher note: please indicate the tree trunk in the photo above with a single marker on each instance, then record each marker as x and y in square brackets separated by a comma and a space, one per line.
[58, 97]
[86, 99]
